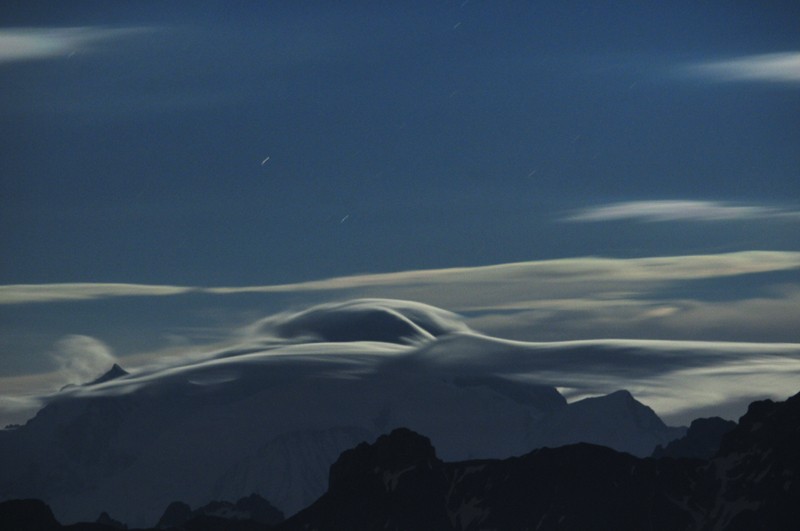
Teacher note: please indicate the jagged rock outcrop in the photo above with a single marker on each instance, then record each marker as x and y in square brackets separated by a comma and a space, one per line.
[27, 515]
[176, 514]
[701, 441]
[251, 511]
[398, 483]
[105, 519]
[756, 471]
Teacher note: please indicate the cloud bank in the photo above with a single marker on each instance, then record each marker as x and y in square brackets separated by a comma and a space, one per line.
[654, 211]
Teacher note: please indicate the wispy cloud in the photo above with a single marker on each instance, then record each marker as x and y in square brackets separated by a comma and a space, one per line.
[28, 44]
[82, 358]
[665, 210]
[767, 317]
[774, 67]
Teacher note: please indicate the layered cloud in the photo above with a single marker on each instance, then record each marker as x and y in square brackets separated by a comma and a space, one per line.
[677, 378]
[653, 211]
[773, 67]
[352, 339]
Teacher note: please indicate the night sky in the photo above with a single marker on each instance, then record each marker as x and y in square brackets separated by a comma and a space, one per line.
[168, 147]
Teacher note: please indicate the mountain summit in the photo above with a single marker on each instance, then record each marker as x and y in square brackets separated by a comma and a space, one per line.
[112, 374]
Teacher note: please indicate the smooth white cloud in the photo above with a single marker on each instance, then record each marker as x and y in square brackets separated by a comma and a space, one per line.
[773, 67]
[28, 44]
[679, 211]
[384, 320]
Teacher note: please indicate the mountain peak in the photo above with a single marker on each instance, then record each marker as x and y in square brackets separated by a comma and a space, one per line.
[112, 374]
[398, 450]
[616, 420]
[623, 395]
[701, 441]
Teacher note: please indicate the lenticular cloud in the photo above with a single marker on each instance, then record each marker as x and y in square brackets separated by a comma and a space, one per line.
[382, 320]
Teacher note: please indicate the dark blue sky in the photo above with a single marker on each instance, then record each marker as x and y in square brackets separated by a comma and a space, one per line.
[400, 135]
[551, 171]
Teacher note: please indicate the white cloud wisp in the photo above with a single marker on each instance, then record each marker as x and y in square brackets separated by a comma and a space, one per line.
[81, 358]
[781, 67]
[461, 287]
[666, 210]
[30, 44]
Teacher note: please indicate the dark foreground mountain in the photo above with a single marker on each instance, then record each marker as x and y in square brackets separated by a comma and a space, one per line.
[398, 483]
[247, 513]
[252, 513]
[751, 483]
[701, 441]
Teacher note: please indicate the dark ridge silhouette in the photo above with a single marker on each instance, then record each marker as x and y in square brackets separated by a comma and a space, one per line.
[27, 515]
[701, 441]
[176, 514]
[752, 482]
[106, 519]
[251, 512]
[399, 483]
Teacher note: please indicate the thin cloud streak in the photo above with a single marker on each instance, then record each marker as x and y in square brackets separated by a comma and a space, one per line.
[658, 211]
[772, 319]
[563, 276]
[773, 67]
[30, 293]
[30, 44]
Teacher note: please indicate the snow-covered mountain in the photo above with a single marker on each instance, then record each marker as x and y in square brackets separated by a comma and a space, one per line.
[636, 428]
[270, 412]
